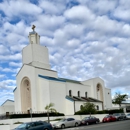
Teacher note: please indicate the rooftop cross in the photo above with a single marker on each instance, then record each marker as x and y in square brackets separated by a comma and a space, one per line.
[33, 27]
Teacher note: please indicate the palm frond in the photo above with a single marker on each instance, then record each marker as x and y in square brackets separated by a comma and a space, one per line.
[51, 105]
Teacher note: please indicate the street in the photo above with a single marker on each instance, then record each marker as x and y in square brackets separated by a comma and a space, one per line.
[119, 125]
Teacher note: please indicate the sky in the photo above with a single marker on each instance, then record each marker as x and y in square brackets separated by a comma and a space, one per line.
[85, 39]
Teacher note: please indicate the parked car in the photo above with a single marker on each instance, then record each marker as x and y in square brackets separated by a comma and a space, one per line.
[108, 118]
[37, 125]
[128, 116]
[67, 122]
[89, 120]
[120, 116]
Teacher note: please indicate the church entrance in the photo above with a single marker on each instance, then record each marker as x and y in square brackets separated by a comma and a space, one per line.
[25, 95]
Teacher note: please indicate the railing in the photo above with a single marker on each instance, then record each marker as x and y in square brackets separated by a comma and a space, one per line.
[27, 112]
[3, 116]
[8, 114]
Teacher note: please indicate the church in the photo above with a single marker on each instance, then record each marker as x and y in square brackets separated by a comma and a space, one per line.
[38, 85]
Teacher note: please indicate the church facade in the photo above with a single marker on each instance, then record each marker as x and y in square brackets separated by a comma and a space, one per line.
[38, 85]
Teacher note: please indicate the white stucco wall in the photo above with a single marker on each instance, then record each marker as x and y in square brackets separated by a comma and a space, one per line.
[27, 55]
[89, 83]
[57, 95]
[93, 83]
[78, 87]
[7, 106]
[44, 72]
[26, 71]
[108, 98]
[69, 107]
[37, 55]
[8, 102]
[16, 98]
[43, 92]
[4, 109]
[32, 73]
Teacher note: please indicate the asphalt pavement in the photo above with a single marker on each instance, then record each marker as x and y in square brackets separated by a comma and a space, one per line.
[118, 125]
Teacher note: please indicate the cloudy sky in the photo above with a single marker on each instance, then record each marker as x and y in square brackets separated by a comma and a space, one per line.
[85, 38]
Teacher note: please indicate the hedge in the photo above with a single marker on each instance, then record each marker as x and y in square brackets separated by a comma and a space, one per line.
[34, 115]
[100, 112]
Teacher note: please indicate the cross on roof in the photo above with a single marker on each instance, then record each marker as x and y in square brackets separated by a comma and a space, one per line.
[33, 27]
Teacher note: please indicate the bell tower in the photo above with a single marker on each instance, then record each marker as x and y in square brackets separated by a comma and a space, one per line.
[34, 54]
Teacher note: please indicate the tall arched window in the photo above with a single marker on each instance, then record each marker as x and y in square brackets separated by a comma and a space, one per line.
[25, 87]
[78, 93]
[70, 92]
[81, 107]
[86, 94]
[99, 92]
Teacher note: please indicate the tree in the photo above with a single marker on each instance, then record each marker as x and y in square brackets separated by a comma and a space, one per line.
[118, 98]
[87, 108]
[50, 108]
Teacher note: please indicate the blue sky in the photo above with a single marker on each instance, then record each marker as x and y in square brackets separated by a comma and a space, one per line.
[85, 38]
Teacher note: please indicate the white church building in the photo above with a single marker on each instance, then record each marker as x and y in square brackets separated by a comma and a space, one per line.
[38, 85]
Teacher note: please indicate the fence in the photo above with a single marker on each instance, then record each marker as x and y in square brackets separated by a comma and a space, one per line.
[12, 115]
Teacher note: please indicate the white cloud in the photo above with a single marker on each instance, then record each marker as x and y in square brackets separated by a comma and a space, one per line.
[79, 14]
[16, 56]
[17, 8]
[122, 11]
[2, 76]
[86, 40]
[3, 50]
[15, 64]
[7, 84]
[73, 43]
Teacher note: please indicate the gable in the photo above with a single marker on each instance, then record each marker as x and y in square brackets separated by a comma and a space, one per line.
[8, 102]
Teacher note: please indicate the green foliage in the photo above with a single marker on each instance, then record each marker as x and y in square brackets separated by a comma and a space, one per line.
[116, 111]
[4, 124]
[100, 112]
[18, 122]
[49, 108]
[57, 119]
[118, 98]
[87, 108]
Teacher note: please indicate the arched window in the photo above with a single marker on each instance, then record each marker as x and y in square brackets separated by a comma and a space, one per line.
[97, 107]
[78, 93]
[70, 92]
[81, 107]
[86, 94]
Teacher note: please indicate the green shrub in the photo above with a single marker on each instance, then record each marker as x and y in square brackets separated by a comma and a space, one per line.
[116, 111]
[82, 112]
[86, 108]
[18, 122]
[4, 124]
[57, 119]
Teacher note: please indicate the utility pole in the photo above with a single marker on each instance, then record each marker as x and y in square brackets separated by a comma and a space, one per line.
[31, 113]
